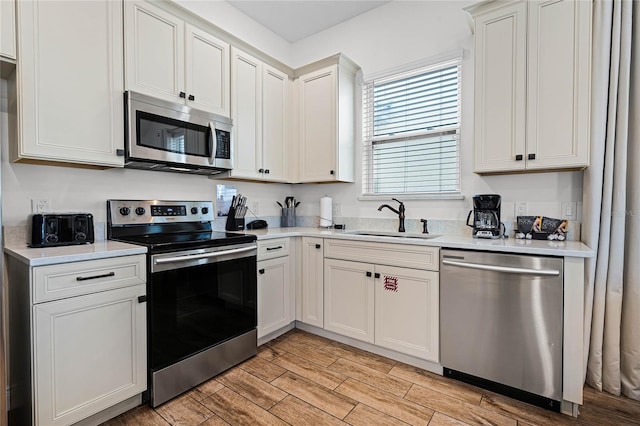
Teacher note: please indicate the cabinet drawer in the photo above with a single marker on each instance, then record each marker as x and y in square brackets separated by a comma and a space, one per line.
[271, 249]
[401, 255]
[77, 278]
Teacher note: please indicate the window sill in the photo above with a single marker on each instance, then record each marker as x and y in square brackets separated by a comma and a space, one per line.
[405, 197]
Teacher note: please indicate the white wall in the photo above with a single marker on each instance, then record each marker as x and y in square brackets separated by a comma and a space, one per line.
[397, 33]
[402, 32]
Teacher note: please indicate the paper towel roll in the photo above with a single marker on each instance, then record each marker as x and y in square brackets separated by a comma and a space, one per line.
[326, 218]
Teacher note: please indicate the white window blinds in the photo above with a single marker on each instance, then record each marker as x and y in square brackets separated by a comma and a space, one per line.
[411, 124]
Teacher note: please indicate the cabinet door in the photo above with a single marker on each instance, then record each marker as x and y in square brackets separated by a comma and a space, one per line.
[349, 299]
[207, 72]
[500, 89]
[246, 113]
[70, 85]
[274, 295]
[312, 281]
[275, 124]
[8, 29]
[559, 63]
[89, 354]
[318, 125]
[154, 51]
[407, 311]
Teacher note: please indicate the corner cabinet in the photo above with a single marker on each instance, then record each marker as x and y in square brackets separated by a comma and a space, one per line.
[327, 121]
[312, 286]
[260, 114]
[532, 85]
[171, 59]
[77, 338]
[69, 82]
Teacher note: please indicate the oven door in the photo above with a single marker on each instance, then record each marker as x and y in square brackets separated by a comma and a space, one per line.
[199, 299]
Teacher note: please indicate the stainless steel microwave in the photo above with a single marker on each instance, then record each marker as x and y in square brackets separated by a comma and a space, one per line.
[166, 136]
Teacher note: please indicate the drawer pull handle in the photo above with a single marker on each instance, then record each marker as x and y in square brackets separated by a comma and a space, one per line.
[110, 274]
[274, 248]
[142, 299]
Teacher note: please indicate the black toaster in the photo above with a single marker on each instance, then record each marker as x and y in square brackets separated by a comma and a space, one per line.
[60, 229]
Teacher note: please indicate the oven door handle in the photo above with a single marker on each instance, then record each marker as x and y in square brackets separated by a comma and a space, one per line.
[201, 255]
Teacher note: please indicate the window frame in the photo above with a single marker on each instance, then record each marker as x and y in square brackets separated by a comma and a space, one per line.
[399, 73]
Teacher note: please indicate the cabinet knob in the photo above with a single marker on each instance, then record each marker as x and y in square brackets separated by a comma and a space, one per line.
[261, 271]
[519, 157]
[531, 157]
[377, 275]
[266, 172]
[183, 95]
[369, 274]
[318, 246]
[260, 170]
[192, 98]
[332, 172]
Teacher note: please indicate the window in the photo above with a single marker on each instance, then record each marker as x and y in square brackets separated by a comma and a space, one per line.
[411, 125]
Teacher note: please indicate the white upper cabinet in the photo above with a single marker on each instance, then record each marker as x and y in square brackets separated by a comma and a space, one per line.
[260, 112]
[532, 85]
[8, 29]
[69, 82]
[170, 59]
[327, 122]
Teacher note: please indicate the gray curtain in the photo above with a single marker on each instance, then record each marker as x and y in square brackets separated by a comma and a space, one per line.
[611, 200]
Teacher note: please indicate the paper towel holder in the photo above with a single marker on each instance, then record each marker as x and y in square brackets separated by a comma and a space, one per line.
[326, 216]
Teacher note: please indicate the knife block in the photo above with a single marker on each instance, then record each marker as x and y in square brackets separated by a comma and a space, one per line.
[234, 223]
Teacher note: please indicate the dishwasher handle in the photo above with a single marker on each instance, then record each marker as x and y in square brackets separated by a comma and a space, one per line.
[504, 269]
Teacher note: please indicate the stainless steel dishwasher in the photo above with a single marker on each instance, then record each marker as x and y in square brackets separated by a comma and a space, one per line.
[501, 323]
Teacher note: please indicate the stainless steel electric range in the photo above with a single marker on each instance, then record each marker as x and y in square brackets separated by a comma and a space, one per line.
[201, 291]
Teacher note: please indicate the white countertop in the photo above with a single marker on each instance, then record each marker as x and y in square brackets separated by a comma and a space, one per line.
[76, 253]
[509, 245]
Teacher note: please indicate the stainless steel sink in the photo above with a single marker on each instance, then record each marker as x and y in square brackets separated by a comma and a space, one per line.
[402, 235]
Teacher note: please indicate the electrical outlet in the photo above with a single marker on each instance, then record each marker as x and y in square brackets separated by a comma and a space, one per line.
[40, 205]
[570, 210]
[255, 208]
[521, 208]
[337, 209]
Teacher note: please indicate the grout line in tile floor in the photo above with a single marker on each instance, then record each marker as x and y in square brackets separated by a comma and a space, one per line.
[326, 382]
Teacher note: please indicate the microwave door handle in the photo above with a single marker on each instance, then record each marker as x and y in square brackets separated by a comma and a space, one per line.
[213, 143]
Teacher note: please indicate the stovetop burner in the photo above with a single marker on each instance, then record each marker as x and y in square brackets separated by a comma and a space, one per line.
[164, 226]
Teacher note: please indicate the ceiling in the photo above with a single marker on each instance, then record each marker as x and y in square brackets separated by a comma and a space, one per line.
[294, 20]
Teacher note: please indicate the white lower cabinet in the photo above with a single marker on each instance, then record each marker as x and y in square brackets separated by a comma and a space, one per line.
[348, 299]
[78, 339]
[276, 295]
[274, 299]
[407, 311]
[390, 306]
[90, 354]
[312, 288]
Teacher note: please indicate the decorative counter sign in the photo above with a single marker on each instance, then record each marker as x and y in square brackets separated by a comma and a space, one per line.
[391, 283]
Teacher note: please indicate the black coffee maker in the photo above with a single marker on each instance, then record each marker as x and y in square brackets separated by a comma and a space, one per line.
[486, 216]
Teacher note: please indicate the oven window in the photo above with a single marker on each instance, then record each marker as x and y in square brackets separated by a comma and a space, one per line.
[192, 309]
[171, 135]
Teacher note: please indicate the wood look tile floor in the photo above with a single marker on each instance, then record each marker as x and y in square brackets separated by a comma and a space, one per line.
[303, 379]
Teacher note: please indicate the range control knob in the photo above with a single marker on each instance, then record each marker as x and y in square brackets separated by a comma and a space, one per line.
[194, 210]
[205, 210]
[124, 211]
[140, 211]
